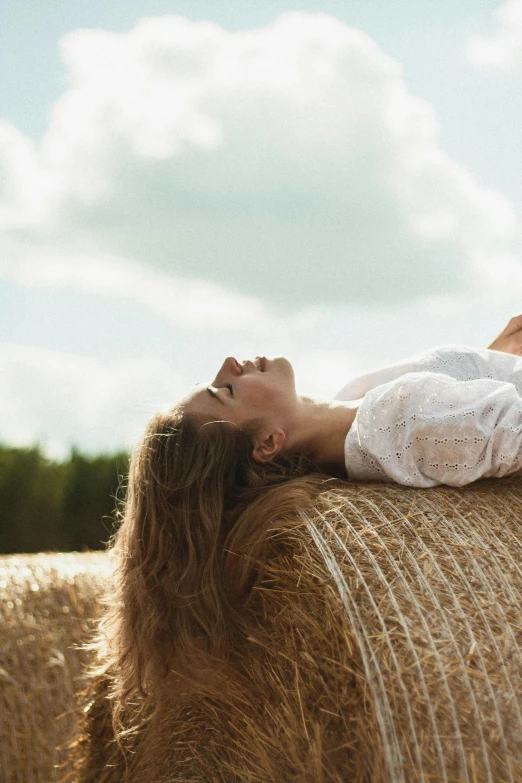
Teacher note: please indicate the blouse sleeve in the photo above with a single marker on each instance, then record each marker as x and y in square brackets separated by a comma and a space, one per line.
[425, 429]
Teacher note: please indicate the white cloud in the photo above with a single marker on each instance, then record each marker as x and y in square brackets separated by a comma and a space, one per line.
[323, 373]
[501, 49]
[287, 165]
[503, 275]
[25, 184]
[180, 301]
[60, 400]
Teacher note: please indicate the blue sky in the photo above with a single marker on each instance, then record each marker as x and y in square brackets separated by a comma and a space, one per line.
[335, 182]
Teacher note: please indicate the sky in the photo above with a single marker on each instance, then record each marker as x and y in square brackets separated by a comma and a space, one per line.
[337, 182]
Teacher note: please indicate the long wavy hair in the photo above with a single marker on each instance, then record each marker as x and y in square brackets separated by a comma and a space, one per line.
[194, 523]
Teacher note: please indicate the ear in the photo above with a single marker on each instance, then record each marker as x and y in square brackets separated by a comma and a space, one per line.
[265, 450]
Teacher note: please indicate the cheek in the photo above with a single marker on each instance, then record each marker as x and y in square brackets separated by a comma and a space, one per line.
[253, 395]
[268, 397]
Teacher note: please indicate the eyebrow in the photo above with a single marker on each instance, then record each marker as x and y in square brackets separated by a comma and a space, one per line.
[213, 394]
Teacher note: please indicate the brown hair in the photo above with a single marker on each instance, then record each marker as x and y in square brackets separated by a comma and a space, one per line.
[196, 516]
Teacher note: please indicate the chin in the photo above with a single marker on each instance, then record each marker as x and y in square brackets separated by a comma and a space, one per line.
[280, 362]
[282, 365]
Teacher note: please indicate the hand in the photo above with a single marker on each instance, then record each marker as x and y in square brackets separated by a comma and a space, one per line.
[510, 340]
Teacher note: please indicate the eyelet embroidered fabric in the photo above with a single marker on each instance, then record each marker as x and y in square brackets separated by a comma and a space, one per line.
[450, 415]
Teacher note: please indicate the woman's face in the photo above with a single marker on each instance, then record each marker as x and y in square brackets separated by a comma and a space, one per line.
[242, 391]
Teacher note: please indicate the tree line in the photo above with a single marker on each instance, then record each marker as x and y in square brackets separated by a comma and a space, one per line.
[47, 505]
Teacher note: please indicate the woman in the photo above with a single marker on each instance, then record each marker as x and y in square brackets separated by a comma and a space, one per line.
[450, 415]
[235, 458]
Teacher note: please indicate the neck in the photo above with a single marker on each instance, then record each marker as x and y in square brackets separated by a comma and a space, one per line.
[321, 429]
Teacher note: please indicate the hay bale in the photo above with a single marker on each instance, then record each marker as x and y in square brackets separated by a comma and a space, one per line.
[47, 602]
[387, 649]
[390, 634]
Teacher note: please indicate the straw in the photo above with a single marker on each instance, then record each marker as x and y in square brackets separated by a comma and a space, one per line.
[386, 647]
[47, 603]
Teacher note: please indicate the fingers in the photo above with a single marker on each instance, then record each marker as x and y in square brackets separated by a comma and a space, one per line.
[514, 324]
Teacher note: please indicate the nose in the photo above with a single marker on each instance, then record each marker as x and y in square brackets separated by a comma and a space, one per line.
[233, 366]
[229, 367]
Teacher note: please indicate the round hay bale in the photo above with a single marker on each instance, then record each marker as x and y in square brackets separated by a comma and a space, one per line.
[47, 603]
[386, 649]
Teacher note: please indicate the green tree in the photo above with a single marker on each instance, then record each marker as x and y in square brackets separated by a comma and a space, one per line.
[89, 500]
[49, 505]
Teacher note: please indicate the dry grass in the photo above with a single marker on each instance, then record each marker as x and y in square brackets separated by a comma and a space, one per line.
[46, 602]
[387, 649]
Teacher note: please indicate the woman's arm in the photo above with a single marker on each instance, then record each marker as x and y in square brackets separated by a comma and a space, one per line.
[426, 429]
[510, 339]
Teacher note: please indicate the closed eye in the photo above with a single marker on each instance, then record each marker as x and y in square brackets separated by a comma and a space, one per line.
[229, 387]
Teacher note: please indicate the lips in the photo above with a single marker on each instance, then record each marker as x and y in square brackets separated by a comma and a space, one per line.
[260, 362]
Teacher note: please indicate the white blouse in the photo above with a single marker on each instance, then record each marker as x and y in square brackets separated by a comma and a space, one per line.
[450, 415]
